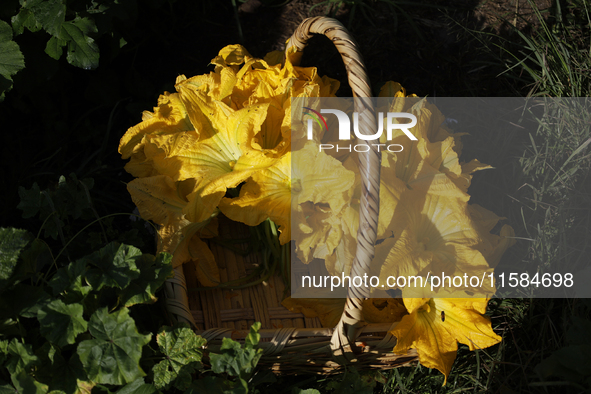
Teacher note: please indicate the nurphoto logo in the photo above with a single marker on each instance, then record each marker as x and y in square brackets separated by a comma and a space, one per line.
[345, 129]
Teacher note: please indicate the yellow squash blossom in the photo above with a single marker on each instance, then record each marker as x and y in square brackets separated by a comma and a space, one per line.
[267, 194]
[435, 326]
[430, 233]
[162, 201]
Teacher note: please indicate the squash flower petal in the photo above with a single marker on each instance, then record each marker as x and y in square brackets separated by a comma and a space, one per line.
[267, 194]
[434, 326]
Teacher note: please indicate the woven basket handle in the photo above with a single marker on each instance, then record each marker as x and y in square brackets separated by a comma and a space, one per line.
[351, 323]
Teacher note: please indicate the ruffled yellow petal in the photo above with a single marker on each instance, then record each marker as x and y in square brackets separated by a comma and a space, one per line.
[430, 233]
[157, 198]
[435, 327]
[319, 178]
[266, 195]
[168, 118]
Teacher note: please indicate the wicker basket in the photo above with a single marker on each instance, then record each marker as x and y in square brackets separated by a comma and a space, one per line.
[291, 342]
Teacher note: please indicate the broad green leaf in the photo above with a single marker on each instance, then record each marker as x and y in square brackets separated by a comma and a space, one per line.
[11, 58]
[71, 195]
[153, 274]
[182, 350]
[25, 383]
[20, 357]
[54, 47]
[6, 388]
[113, 356]
[31, 200]
[35, 258]
[82, 50]
[61, 323]
[112, 266]
[230, 360]
[51, 14]
[138, 387]
[236, 360]
[68, 282]
[25, 18]
[307, 391]
[12, 242]
[3, 351]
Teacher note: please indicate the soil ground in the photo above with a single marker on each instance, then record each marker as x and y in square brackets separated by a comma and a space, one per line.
[427, 46]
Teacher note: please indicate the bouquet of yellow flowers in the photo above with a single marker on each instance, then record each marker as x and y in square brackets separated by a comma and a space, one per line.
[231, 129]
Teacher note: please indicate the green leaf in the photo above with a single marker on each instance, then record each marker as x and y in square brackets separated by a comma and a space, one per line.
[3, 351]
[153, 274]
[307, 391]
[61, 323]
[114, 266]
[113, 356]
[6, 388]
[34, 259]
[68, 282]
[182, 349]
[54, 47]
[138, 387]
[11, 58]
[21, 357]
[236, 360]
[51, 14]
[26, 384]
[31, 200]
[82, 50]
[25, 18]
[252, 339]
[12, 242]
[71, 196]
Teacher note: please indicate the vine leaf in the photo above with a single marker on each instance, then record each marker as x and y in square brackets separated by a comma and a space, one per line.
[11, 58]
[68, 282]
[113, 356]
[12, 242]
[112, 266]
[82, 50]
[153, 274]
[236, 360]
[75, 34]
[182, 349]
[20, 357]
[61, 323]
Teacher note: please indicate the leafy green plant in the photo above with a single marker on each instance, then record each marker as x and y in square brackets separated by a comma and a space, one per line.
[70, 26]
[78, 319]
[74, 326]
[234, 364]
[11, 59]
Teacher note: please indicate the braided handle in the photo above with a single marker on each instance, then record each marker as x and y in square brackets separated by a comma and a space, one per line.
[351, 323]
